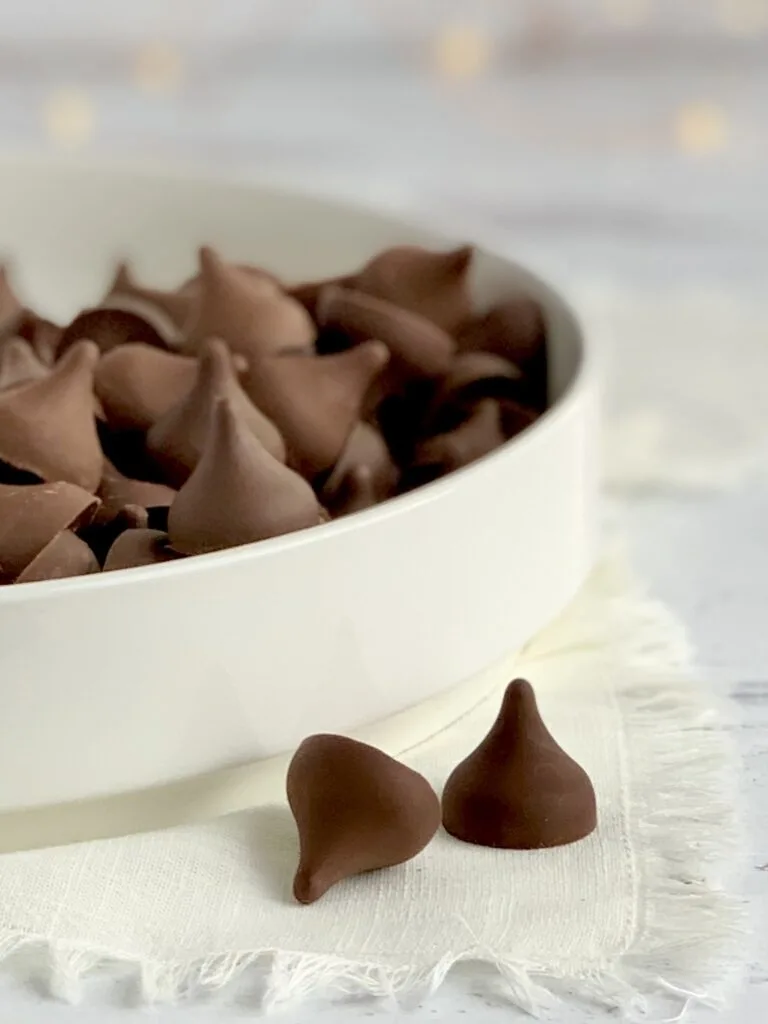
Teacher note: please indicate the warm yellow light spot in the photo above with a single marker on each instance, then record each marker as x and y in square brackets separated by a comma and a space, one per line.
[628, 14]
[743, 18]
[701, 128]
[159, 68]
[461, 51]
[69, 117]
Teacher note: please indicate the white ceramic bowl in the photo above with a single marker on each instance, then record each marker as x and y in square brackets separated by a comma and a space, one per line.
[138, 678]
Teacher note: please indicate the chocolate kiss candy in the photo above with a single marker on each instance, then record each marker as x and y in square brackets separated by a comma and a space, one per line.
[519, 790]
[19, 363]
[116, 491]
[138, 547]
[238, 493]
[316, 400]
[110, 328]
[66, 555]
[249, 312]
[10, 307]
[137, 384]
[356, 809]
[47, 426]
[419, 347]
[480, 434]
[354, 492]
[177, 439]
[516, 330]
[365, 449]
[473, 376]
[102, 533]
[166, 311]
[433, 284]
[32, 516]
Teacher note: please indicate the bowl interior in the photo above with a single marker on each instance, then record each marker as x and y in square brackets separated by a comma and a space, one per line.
[63, 227]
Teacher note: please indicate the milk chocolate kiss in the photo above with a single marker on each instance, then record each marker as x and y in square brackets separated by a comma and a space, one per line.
[32, 516]
[432, 284]
[367, 450]
[138, 547]
[481, 433]
[516, 330]
[66, 555]
[166, 311]
[43, 335]
[418, 346]
[354, 491]
[315, 401]
[356, 810]
[137, 384]
[238, 493]
[177, 440]
[47, 426]
[19, 363]
[519, 790]
[251, 313]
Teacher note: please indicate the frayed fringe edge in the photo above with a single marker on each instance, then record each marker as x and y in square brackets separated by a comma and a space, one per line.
[690, 942]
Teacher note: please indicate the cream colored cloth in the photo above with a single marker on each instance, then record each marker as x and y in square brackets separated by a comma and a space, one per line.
[634, 911]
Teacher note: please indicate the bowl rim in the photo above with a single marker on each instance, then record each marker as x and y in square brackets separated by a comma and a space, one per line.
[581, 381]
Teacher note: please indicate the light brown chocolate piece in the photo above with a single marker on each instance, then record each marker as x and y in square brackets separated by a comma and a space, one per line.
[47, 426]
[138, 547]
[315, 401]
[250, 312]
[433, 284]
[66, 555]
[137, 384]
[354, 492]
[514, 329]
[177, 439]
[519, 790]
[19, 363]
[419, 348]
[43, 335]
[32, 516]
[238, 493]
[356, 810]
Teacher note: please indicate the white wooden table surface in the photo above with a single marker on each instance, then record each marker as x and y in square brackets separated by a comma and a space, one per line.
[639, 162]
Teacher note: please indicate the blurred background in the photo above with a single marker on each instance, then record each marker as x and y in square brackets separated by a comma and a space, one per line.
[600, 140]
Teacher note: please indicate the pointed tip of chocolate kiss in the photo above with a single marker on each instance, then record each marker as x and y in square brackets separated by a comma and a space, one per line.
[519, 789]
[177, 440]
[238, 492]
[356, 810]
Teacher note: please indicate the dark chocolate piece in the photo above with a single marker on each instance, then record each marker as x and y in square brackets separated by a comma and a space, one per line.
[356, 810]
[109, 329]
[519, 790]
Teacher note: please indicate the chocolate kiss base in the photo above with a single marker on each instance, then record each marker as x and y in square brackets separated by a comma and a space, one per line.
[519, 790]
